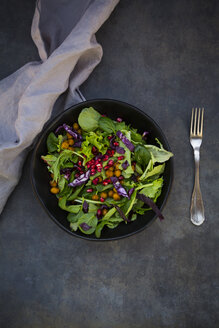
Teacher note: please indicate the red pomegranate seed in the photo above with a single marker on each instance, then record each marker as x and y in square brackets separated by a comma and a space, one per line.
[77, 175]
[111, 162]
[112, 152]
[121, 177]
[93, 167]
[99, 165]
[109, 137]
[119, 119]
[80, 163]
[103, 115]
[93, 173]
[99, 169]
[99, 160]
[102, 199]
[106, 167]
[120, 158]
[108, 152]
[88, 165]
[95, 181]
[105, 158]
[116, 144]
[99, 213]
[90, 190]
[105, 183]
[94, 149]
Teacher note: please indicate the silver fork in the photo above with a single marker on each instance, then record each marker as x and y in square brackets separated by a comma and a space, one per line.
[196, 132]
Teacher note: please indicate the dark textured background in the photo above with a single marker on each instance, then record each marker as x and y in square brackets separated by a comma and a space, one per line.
[162, 57]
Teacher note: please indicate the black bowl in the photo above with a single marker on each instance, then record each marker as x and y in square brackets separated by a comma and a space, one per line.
[40, 177]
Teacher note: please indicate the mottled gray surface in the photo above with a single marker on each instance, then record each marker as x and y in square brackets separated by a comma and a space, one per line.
[160, 56]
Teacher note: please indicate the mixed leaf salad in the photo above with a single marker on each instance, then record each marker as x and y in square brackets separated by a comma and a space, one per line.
[103, 172]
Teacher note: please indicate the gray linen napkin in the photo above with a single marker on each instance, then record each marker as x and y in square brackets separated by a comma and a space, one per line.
[64, 33]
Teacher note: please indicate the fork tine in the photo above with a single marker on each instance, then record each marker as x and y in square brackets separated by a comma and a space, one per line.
[201, 127]
[195, 120]
[198, 124]
[191, 127]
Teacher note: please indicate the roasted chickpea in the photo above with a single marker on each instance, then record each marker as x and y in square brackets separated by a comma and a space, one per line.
[52, 175]
[114, 189]
[71, 142]
[133, 167]
[103, 194]
[117, 173]
[104, 211]
[79, 131]
[110, 193]
[116, 196]
[100, 179]
[111, 168]
[69, 136]
[53, 183]
[109, 173]
[65, 145]
[71, 148]
[95, 197]
[116, 166]
[54, 190]
[76, 126]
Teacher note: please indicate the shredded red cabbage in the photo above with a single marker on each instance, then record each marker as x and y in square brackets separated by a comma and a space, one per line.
[80, 180]
[120, 150]
[130, 192]
[68, 129]
[78, 144]
[145, 135]
[112, 141]
[121, 213]
[85, 207]
[85, 226]
[125, 165]
[151, 204]
[126, 142]
[119, 188]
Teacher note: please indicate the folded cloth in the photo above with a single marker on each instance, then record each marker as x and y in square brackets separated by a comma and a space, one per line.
[64, 33]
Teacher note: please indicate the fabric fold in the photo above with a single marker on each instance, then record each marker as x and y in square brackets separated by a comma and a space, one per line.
[28, 96]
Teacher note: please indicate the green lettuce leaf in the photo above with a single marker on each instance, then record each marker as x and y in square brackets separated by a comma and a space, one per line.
[88, 119]
[158, 155]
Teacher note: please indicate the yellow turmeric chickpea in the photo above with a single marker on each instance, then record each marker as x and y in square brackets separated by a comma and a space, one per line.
[52, 175]
[103, 194]
[104, 211]
[71, 142]
[116, 196]
[116, 166]
[71, 148]
[114, 189]
[117, 173]
[54, 190]
[76, 126]
[95, 197]
[79, 131]
[100, 179]
[69, 136]
[65, 144]
[53, 183]
[109, 173]
[133, 167]
[110, 193]
[111, 168]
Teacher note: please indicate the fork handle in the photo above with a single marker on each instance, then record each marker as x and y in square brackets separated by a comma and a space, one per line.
[197, 206]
